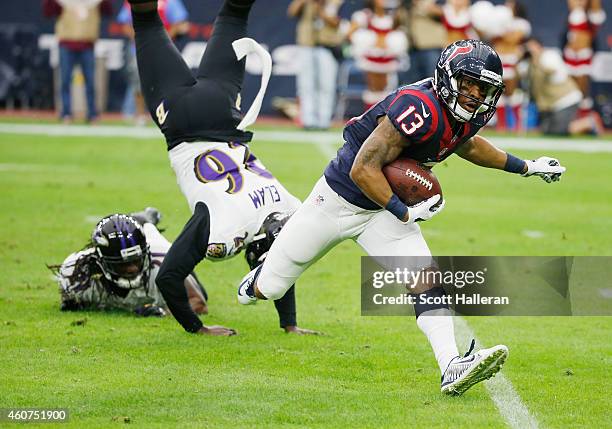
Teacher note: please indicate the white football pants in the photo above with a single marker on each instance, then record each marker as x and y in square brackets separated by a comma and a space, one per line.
[324, 220]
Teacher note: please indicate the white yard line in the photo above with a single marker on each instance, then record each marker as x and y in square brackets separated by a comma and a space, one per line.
[12, 167]
[92, 218]
[532, 233]
[80, 130]
[25, 168]
[326, 149]
[323, 139]
[503, 394]
[606, 293]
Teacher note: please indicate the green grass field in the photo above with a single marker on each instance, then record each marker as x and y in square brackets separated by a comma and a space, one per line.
[365, 372]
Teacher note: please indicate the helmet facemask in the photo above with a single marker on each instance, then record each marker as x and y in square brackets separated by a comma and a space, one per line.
[122, 251]
[128, 270]
[450, 91]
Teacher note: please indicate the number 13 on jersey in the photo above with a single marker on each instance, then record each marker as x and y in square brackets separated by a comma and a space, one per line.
[414, 125]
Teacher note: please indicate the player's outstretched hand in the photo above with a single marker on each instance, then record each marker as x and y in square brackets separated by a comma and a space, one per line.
[425, 210]
[549, 169]
[221, 331]
[301, 331]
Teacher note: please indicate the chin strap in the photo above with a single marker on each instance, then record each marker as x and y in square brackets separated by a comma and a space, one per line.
[243, 47]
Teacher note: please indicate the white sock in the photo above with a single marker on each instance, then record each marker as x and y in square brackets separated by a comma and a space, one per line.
[437, 325]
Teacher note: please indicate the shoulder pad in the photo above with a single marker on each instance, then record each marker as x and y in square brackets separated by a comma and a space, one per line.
[414, 115]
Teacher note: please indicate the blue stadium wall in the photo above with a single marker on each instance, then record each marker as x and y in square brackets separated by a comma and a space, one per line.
[270, 25]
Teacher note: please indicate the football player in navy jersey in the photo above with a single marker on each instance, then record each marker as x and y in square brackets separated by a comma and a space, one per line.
[426, 121]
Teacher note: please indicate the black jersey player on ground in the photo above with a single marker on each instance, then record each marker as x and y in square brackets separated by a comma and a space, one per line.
[426, 121]
[200, 118]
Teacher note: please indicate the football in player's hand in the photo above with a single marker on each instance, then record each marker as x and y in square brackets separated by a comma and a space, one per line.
[411, 181]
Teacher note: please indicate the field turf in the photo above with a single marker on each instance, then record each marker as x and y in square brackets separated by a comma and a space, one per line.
[113, 368]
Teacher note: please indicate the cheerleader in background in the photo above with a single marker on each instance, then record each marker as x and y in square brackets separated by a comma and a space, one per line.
[457, 21]
[510, 47]
[377, 46]
[505, 27]
[585, 18]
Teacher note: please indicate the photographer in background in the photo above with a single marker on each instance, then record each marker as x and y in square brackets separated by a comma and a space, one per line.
[421, 20]
[556, 94]
[317, 34]
[77, 29]
[175, 18]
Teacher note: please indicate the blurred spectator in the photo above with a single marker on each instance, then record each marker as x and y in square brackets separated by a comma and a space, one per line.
[77, 29]
[509, 46]
[377, 45]
[457, 20]
[556, 94]
[319, 39]
[427, 36]
[175, 17]
[585, 17]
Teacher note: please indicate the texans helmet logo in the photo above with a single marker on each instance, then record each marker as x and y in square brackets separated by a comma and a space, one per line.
[459, 50]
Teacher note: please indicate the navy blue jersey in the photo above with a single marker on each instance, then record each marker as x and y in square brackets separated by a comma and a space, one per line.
[417, 113]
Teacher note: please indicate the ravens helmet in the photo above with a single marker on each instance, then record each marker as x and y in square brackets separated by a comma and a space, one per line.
[474, 62]
[257, 250]
[122, 251]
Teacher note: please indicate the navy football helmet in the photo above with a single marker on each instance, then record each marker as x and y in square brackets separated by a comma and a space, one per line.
[475, 62]
[122, 251]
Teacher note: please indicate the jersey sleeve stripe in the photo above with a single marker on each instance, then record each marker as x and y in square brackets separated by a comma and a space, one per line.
[448, 134]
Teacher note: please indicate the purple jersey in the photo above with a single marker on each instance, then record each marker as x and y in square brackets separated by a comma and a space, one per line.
[417, 113]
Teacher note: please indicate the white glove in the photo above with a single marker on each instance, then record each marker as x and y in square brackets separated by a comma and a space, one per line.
[549, 169]
[425, 210]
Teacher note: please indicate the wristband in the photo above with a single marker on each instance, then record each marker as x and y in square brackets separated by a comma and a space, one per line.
[397, 207]
[514, 164]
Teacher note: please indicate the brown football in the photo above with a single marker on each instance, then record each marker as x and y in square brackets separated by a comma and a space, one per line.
[411, 181]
